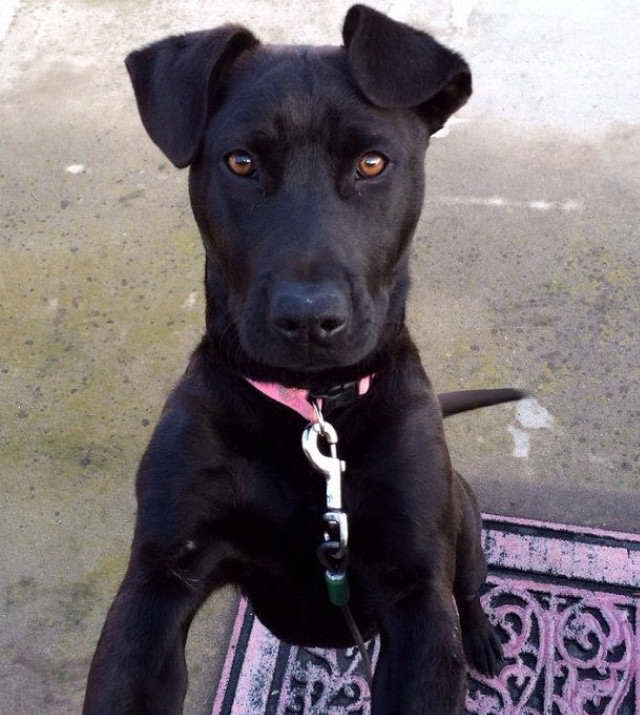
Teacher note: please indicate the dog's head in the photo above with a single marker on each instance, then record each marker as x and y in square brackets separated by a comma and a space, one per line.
[306, 180]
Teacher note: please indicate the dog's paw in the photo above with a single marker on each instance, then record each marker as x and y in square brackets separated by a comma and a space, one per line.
[482, 650]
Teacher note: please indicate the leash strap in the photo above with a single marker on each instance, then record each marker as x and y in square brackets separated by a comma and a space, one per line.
[357, 636]
[338, 592]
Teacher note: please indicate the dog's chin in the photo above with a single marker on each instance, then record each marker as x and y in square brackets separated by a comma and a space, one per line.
[298, 364]
[307, 363]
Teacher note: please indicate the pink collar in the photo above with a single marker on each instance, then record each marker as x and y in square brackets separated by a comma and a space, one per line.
[296, 397]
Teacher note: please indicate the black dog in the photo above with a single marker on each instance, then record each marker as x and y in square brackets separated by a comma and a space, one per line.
[306, 181]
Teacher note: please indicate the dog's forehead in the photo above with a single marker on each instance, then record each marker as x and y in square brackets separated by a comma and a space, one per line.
[296, 90]
[280, 70]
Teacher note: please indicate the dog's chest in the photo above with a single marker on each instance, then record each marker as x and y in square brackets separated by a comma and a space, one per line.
[281, 507]
[280, 571]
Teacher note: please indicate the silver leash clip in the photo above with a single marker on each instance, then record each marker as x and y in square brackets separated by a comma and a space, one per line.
[332, 467]
[337, 530]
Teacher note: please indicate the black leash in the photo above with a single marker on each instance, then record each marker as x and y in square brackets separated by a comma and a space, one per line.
[355, 632]
[338, 593]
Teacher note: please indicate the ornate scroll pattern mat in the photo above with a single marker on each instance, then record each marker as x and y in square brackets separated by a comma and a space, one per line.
[566, 604]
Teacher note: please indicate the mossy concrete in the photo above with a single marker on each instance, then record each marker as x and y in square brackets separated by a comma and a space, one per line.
[526, 272]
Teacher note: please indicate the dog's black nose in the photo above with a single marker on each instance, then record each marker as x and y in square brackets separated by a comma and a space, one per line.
[309, 311]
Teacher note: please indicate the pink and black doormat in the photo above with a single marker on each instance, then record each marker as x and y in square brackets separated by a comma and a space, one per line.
[565, 601]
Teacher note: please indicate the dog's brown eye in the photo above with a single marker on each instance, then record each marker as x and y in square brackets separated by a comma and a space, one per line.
[371, 164]
[241, 163]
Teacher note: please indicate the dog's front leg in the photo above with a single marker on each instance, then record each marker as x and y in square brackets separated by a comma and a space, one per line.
[176, 561]
[421, 668]
[139, 665]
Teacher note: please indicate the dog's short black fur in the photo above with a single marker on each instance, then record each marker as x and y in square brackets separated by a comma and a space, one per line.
[307, 245]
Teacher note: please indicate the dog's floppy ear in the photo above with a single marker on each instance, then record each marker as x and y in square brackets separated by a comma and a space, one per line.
[396, 65]
[175, 80]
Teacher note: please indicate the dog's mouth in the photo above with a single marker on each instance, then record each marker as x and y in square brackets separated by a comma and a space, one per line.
[311, 365]
[302, 358]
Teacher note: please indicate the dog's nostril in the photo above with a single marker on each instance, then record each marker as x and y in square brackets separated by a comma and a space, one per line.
[318, 329]
[329, 326]
[289, 326]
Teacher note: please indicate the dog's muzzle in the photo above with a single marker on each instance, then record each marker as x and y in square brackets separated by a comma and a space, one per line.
[309, 313]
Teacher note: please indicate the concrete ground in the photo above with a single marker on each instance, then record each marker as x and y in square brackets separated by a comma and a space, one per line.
[526, 272]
